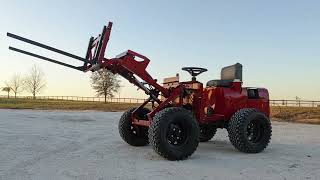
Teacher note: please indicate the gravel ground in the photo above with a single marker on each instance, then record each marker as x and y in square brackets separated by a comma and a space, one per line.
[86, 145]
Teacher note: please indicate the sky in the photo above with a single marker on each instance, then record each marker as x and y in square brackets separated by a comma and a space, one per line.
[277, 42]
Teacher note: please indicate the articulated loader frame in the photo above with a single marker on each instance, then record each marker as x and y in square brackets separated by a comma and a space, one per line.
[130, 65]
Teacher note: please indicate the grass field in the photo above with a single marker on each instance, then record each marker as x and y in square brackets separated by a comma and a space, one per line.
[296, 114]
[62, 105]
[289, 114]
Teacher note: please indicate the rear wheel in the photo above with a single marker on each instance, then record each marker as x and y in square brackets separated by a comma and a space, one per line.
[207, 132]
[249, 131]
[174, 133]
[133, 134]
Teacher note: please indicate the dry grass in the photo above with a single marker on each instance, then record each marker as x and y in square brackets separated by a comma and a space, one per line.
[296, 114]
[288, 114]
[62, 105]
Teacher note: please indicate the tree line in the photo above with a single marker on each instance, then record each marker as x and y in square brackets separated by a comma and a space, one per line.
[103, 82]
[33, 82]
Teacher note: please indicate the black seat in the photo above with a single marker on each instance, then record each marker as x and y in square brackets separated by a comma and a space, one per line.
[228, 75]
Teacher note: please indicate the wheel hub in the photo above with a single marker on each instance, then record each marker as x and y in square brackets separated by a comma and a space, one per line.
[175, 135]
[137, 131]
[254, 131]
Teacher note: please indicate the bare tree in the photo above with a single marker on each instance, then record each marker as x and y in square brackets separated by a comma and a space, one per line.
[7, 89]
[16, 84]
[105, 83]
[35, 81]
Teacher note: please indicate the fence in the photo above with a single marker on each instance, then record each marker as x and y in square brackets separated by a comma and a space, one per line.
[295, 103]
[80, 98]
[285, 102]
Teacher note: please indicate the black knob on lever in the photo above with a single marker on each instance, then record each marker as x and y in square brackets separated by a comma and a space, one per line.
[194, 71]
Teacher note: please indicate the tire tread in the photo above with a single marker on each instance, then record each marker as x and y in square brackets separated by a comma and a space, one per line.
[236, 135]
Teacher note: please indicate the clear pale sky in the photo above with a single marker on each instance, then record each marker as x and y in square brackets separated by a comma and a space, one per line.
[278, 42]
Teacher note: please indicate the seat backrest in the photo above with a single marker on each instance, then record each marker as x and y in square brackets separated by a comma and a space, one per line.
[232, 72]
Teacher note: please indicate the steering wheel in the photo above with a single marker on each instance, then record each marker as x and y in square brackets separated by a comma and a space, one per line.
[194, 71]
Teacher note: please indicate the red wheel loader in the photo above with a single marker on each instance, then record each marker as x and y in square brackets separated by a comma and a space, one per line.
[183, 113]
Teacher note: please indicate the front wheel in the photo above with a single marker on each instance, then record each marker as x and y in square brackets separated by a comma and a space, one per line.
[133, 134]
[207, 132]
[249, 131]
[174, 133]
